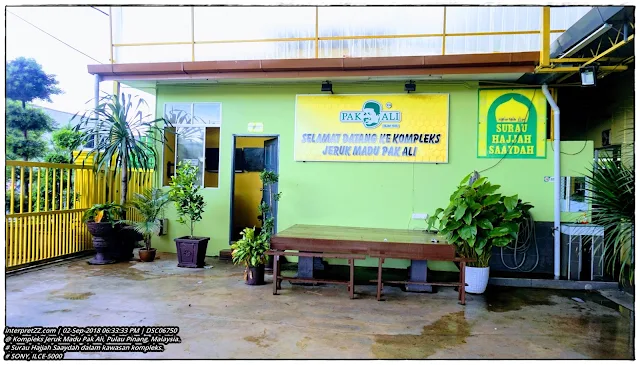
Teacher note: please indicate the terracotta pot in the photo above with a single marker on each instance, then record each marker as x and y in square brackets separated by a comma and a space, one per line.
[255, 275]
[147, 255]
[191, 251]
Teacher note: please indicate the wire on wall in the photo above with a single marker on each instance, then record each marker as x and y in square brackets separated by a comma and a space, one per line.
[521, 245]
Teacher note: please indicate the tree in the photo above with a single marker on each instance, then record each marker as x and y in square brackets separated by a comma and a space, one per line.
[65, 141]
[127, 137]
[24, 131]
[26, 81]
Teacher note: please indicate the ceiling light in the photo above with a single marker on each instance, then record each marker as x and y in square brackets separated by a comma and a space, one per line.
[326, 86]
[410, 86]
[588, 75]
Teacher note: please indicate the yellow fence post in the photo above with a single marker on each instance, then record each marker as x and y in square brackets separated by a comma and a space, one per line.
[56, 229]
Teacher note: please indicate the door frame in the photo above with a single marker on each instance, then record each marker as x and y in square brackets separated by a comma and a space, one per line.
[233, 173]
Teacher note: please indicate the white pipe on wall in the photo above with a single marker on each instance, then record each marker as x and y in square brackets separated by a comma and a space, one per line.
[556, 183]
[96, 103]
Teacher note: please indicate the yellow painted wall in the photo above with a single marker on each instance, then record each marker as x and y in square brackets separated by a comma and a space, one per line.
[247, 189]
[212, 140]
[619, 117]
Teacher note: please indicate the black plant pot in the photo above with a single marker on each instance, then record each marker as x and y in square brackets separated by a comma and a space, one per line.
[191, 251]
[103, 241]
[255, 275]
[126, 241]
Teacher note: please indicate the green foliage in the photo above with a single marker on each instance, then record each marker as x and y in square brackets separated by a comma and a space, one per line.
[478, 218]
[108, 212]
[67, 139]
[127, 137]
[56, 157]
[612, 197]
[250, 249]
[268, 178]
[26, 81]
[184, 193]
[150, 205]
[24, 131]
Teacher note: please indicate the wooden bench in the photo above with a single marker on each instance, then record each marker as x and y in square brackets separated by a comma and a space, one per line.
[460, 284]
[277, 277]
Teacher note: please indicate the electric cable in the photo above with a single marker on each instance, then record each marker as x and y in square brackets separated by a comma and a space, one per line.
[522, 244]
[52, 36]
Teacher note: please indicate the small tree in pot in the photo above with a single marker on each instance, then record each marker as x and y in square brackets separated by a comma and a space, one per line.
[476, 220]
[190, 206]
[101, 222]
[150, 205]
[250, 250]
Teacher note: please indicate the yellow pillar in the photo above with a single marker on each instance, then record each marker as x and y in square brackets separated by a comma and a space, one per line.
[545, 39]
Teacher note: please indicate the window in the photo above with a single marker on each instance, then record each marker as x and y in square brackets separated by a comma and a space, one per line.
[194, 137]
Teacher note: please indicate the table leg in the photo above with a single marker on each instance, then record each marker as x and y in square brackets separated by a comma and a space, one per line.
[418, 273]
[462, 282]
[276, 266]
[278, 269]
[380, 262]
[351, 278]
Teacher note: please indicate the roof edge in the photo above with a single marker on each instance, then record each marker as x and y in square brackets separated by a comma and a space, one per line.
[292, 67]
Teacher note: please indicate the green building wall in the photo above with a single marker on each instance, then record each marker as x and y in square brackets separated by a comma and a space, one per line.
[382, 195]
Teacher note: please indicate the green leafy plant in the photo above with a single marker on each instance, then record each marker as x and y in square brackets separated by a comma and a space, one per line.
[250, 249]
[104, 213]
[150, 205]
[184, 193]
[478, 218]
[268, 178]
[611, 188]
[126, 137]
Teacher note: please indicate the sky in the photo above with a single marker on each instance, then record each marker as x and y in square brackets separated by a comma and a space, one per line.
[83, 28]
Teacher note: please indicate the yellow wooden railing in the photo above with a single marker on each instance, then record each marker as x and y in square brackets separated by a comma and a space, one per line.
[46, 204]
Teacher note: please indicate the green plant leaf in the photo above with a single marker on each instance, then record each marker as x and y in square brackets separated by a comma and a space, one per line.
[499, 232]
[467, 218]
[510, 202]
[485, 224]
[491, 200]
[460, 210]
[501, 241]
[466, 179]
[479, 182]
[512, 215]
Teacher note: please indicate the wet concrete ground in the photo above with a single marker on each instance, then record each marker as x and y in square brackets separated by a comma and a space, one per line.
[221, 317]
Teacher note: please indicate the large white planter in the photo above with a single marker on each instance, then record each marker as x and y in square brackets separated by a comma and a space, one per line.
[476, 279]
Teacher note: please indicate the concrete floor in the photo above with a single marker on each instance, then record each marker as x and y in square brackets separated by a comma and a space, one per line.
[221, 317]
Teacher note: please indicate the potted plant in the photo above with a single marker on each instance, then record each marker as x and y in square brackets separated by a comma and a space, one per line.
[122, 138]
[189, 204]
[476, 220]
[269, 179]
[611, 187]
[251, 250]
[101, 222]
[150, 205]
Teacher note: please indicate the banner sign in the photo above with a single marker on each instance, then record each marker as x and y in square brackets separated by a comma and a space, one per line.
[372, 128]
[512, 124]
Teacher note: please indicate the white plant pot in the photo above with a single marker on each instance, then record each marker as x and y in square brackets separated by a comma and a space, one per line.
[476, 279]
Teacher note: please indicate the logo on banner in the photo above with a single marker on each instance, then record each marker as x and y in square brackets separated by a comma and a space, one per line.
[372, 116]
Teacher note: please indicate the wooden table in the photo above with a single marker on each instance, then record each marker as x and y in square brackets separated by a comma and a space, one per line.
[380, 243]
